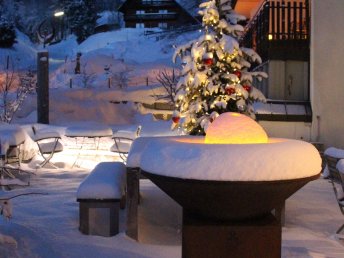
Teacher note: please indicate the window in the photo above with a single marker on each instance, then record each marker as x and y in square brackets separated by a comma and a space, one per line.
[140, 25]
[140, 11]
[163, 11]
[162, 25]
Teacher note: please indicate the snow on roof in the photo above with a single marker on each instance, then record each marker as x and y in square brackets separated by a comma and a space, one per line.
[191, 6]
[188, 157]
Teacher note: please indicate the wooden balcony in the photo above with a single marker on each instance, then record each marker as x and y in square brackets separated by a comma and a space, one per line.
[152, 3]
[280, 31]
[151, 16]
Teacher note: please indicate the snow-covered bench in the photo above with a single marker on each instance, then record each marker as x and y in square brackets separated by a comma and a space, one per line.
[100, 196]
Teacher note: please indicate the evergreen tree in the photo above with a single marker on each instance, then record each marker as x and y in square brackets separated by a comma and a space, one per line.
[215, 74]
[82, 17]
[7, 33]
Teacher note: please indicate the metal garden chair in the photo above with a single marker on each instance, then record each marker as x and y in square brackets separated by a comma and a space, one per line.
[337, 180]
[123, 140]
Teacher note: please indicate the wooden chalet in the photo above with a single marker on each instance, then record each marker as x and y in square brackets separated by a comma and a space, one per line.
[278, 30]
[165, 14]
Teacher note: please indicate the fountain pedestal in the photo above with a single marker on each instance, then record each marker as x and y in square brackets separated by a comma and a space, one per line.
[205, 238]
[229, 218]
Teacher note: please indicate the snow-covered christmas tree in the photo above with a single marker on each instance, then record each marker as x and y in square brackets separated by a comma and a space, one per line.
[215, 74]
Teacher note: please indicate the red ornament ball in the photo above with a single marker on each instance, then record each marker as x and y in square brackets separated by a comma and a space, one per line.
[208, 61]
[247, 87]
[230, 91]
[175, 119]
[237, 73]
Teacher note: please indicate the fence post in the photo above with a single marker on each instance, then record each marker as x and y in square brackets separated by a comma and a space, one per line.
[43, 87]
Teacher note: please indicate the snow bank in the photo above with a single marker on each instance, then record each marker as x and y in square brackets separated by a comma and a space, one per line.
[188, 157]
[22, 55]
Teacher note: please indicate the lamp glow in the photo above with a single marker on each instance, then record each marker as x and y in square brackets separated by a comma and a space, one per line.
[58, 14]
[235, 128]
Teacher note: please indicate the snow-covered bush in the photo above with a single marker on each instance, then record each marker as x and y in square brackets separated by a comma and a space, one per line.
[7, 33]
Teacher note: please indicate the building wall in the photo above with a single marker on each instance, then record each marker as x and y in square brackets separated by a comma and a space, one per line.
[327, 71]
[290, 130]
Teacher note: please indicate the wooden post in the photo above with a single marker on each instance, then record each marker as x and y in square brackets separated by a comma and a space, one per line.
[43, 87]
[133, 177]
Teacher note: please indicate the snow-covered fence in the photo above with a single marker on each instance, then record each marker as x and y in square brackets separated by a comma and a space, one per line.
[170, 32]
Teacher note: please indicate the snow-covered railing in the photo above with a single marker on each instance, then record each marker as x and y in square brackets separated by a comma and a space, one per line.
[279, 30]
[283, 110]
[152, 16]
[181, 29]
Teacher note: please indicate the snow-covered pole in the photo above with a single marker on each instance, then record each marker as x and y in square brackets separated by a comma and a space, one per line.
[43, 87]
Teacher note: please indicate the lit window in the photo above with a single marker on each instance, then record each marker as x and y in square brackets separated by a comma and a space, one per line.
[162, 25]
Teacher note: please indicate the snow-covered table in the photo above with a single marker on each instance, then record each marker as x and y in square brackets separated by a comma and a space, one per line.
[12, 137]
[86, 130]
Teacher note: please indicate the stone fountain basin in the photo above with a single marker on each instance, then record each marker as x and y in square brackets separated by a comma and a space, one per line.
[226, 181]
[228, 200]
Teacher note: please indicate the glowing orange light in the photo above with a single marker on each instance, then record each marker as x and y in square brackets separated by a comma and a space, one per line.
[235, 128]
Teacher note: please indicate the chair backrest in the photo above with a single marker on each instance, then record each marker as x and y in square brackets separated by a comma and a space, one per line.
[335, 175]
[138, 131]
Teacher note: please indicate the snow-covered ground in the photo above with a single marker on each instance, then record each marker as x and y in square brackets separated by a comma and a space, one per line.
[47, 225]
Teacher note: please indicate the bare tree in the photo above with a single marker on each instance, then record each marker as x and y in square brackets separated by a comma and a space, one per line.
[86, 78]
[169, 81]
[118, 77]
[14, 87]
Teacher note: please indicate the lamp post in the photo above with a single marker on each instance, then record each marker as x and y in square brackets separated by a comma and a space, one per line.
[59, 16]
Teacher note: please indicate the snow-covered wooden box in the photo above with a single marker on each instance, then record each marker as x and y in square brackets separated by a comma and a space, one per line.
[99, 197]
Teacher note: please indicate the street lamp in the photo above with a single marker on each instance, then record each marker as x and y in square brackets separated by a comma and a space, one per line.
[59, 13]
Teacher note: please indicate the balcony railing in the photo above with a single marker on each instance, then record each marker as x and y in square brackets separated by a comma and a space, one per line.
[280, 30]
[151, 16]
[166, 3]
